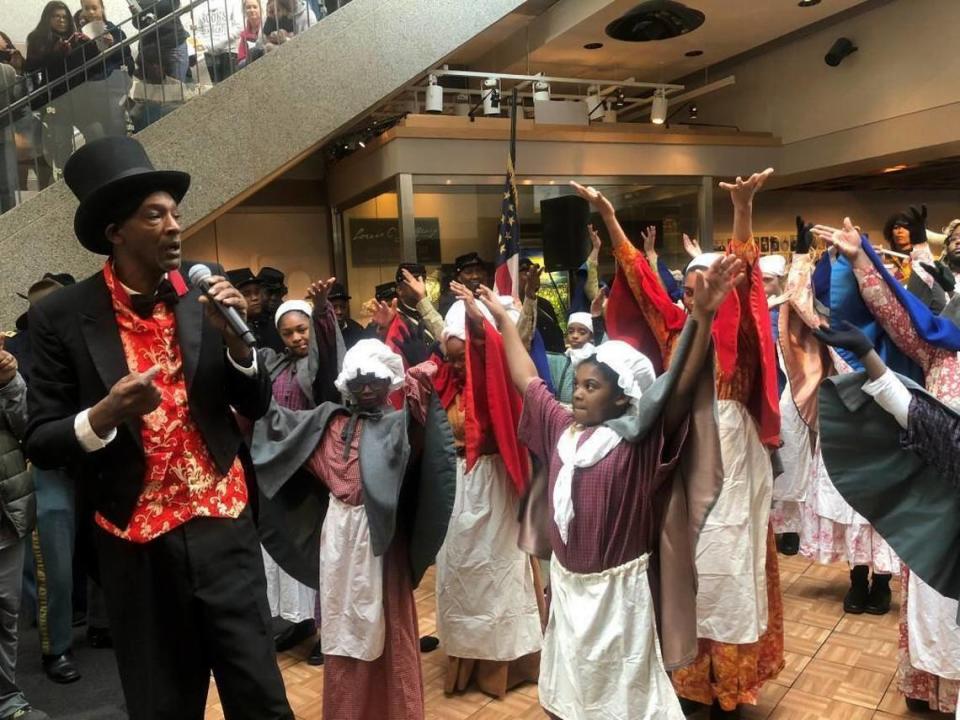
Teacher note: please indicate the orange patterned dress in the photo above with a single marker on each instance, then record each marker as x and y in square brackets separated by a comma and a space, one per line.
[731, 674]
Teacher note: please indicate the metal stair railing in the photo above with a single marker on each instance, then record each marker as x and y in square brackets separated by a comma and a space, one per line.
[45, 116]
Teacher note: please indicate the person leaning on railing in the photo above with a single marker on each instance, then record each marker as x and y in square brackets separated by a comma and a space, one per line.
[54, 49]
[163, 43]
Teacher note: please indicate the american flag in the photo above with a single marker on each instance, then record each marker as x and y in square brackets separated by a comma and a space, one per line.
[508, 259]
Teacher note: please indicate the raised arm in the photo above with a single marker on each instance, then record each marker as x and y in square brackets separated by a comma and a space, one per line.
[741, 194]
[878, 297]
[645, 285]
[710, 290]
[592, 287]
[432, 320]
[325, 343]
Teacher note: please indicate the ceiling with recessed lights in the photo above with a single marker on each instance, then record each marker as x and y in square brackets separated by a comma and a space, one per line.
[731, 27]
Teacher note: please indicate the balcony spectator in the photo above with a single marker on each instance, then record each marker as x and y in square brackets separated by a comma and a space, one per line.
[100, 103]
[9, 55]
[26, 129]
[55, 49]
[11, 89]
[285, 19]
[163, 43]
[217, 25]
[252, 24]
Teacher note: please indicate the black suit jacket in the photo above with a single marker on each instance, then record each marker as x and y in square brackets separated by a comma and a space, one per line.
[78, 357]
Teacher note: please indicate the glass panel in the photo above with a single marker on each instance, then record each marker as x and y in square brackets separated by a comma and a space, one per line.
[466, 219]
[371, 233]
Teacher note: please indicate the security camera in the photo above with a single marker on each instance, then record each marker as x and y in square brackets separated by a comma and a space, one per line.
[841, 48]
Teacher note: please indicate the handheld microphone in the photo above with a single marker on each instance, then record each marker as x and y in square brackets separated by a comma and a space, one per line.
[200, 278]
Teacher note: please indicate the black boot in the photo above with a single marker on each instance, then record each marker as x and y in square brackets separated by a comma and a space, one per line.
[316, 655]
[429, 643]
[788, 543]
[856, 600]
[689, 707]
[879, 602]
[718, 713]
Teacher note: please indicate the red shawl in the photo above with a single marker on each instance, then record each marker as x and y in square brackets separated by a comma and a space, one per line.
[493, 406]
[446, 383]
[626, 321]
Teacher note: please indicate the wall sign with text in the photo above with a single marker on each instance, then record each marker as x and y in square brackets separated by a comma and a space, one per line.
[376, 241]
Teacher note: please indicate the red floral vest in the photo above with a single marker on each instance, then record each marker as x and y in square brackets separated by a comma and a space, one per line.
[181, 481]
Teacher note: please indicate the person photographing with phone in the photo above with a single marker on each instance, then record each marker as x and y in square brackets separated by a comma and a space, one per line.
[136, 379]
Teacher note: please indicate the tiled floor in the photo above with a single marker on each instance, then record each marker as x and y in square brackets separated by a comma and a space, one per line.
[838, 667]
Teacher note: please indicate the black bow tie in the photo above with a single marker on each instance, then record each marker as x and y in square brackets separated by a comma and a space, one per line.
[143, 305]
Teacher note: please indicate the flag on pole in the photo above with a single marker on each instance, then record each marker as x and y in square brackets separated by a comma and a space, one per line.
[508, 257]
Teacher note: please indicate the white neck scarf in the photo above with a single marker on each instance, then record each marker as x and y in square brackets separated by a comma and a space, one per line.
[578, 355]
[592, 451]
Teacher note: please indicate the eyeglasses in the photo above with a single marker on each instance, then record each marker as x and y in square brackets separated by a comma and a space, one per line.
[362, 382]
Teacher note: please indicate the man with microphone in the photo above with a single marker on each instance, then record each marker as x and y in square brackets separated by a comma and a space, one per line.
[135, 377]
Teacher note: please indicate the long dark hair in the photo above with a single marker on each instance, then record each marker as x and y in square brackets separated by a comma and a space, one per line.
[42, 35]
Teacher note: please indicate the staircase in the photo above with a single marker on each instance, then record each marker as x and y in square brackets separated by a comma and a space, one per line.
[260, 121]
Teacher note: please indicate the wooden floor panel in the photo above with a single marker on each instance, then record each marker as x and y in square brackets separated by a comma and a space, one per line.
[838, 666]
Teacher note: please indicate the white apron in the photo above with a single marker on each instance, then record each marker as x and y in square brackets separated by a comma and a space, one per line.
[795, 454]
[289, 599]
[732, 551]
[486, 602]
[352, 622]
[934, 634]
[601, 654]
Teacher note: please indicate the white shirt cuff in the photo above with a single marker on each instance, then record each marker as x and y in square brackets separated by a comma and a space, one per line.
[248, 371]
[892, 395]
[88, 439]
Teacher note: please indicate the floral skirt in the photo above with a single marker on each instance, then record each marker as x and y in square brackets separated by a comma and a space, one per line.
[917, 684]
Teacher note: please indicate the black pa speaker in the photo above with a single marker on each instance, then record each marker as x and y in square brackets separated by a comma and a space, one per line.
[565, 241]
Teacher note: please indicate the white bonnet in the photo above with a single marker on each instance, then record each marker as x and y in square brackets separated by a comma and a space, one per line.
[455, 322]
[704, 261]
[291, 305]
[633, 368]
[581, 318]
[370, 357]
[773, 265]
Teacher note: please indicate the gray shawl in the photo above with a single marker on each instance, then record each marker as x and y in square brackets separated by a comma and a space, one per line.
[285, 439]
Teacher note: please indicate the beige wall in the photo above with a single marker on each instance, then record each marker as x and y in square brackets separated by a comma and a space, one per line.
[775, 212]
[297, 243]
[873, 104]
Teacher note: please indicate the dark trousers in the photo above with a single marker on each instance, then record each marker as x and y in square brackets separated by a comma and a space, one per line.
[188, 603]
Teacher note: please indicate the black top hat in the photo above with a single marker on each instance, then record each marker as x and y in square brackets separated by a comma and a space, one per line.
[109, 170]
[465, 261]
[337, 292]
[385, 292]
[242, 276]
[271, 277]
[416, 269]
